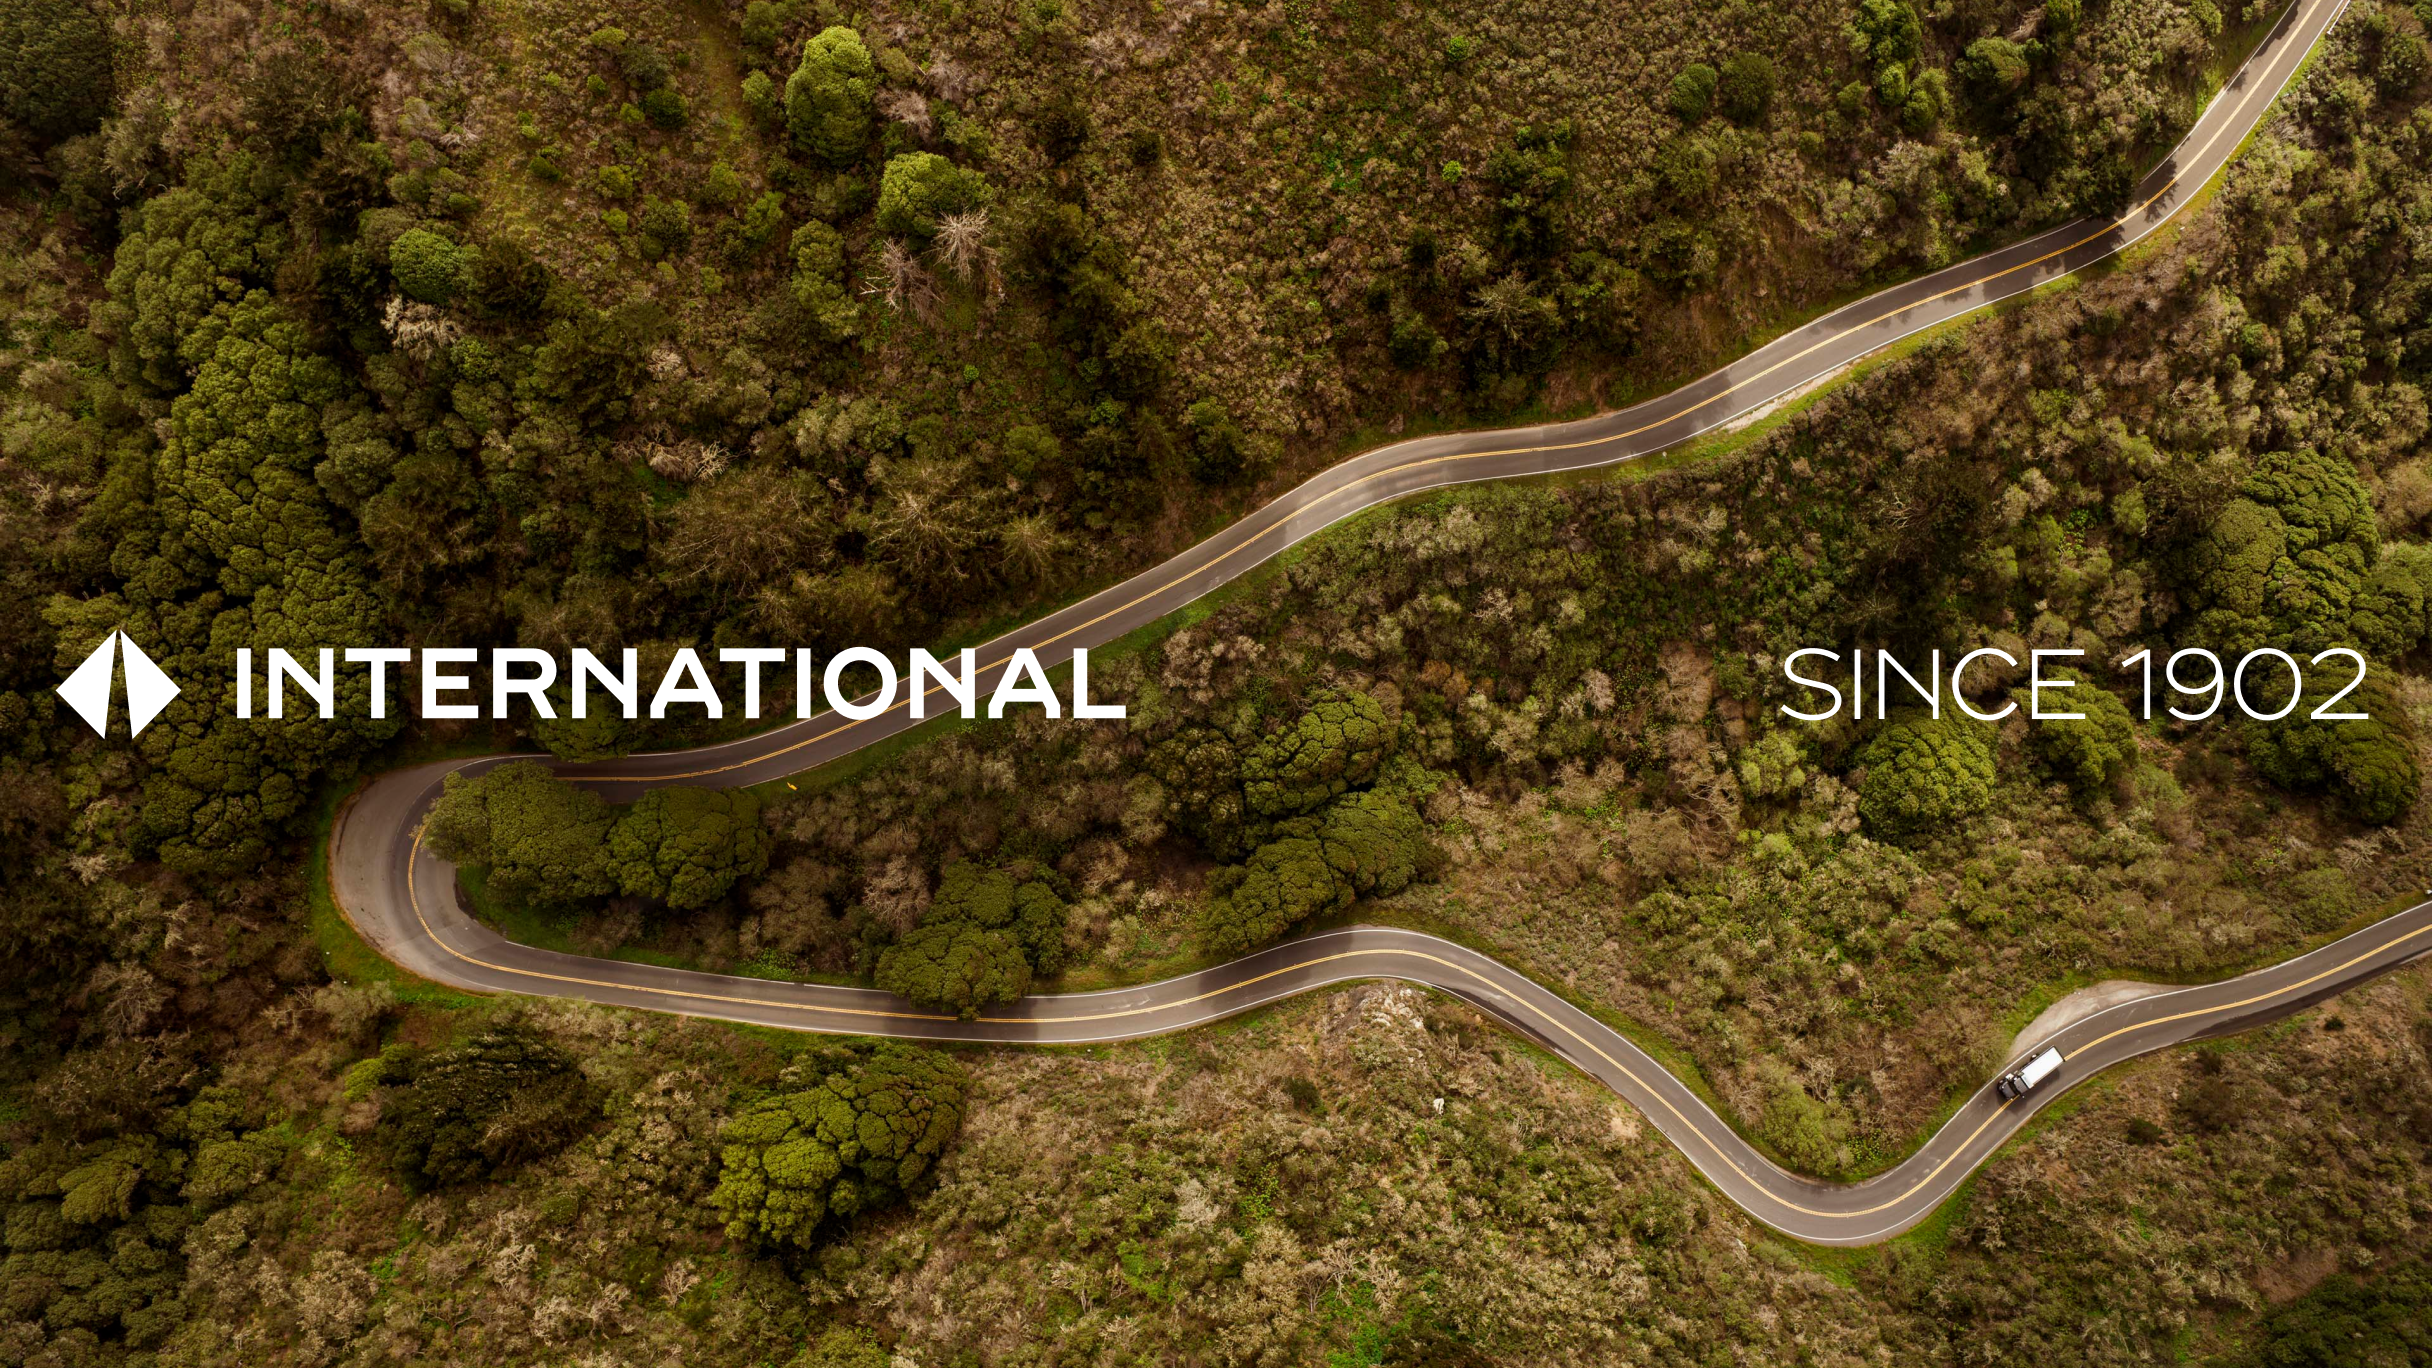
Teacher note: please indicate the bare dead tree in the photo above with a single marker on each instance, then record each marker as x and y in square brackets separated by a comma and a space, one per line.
[962, 243]
[909, 108]
[903, 283]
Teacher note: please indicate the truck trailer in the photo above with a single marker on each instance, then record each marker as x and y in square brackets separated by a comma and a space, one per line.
[2020, 1081]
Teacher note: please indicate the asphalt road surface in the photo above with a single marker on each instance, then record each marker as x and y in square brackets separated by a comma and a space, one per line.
[402, 897]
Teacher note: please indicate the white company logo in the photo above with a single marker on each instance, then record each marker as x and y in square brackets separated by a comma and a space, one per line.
[88, 689]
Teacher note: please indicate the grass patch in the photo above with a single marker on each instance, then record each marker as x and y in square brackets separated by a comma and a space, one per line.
[1928, 1240]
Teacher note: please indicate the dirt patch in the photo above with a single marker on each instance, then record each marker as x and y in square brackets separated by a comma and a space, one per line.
[2083, 1003]
[2286, 1282]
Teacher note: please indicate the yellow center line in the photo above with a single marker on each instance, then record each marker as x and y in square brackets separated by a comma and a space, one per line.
[1365, 481]
[2306, 982]
[414, 892]
[1684, 1120]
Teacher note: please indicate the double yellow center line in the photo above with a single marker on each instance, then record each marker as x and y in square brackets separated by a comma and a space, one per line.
[1279, 520]
[1457, 977]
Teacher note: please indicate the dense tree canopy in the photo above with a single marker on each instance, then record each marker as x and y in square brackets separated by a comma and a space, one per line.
[2370, 765]
[1992, 71]
[544, 841]
[1363, 844]
[1743, 88]
[921, 189]
[2090, 752]
[401, 324]
[687, 846]
[1199, 768]
[828, 98]
[850, 1142]
[983, 937]
[1924, 775]
[54, 66]
[499, 1099]
[547, 842]
[2286, 561]
[1029, 910]
[96, 1222]
[1693, 91]
[957, 966]
[426, 265]
[238, 546]
[1336, 744]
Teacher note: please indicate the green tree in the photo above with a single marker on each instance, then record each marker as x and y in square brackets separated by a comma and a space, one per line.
[226, 539]
[1532, 176]
[666, 227]
[1923, 774]
[644, 67]
[1693, 91]
[764, 23]
[850, 1143]
[818, 282]
[955, 966]
[1219, 452]
[1200, 770]
[722, 187]
[1374, 841]
[665, 109]
[54, 67]
[224, 1170]
[1992, 72]
[1335, 745]
[1743, 89]
[2284, 563]
[829, 98]
[1774, 765]
[762, 219]
[503, 1098]
[1032, 451]
[2088, 753]
[1885, 32]
[919, 188]
[1283, 884]
[544, 841]
[2390, 614]
[1927, 103]
[687, 846]
[426, 265]
[1030, 913]
[1686, 167]
[761, 98]
[2369, 766]
[1813, 1135]
[1366, 844]
[190, 255]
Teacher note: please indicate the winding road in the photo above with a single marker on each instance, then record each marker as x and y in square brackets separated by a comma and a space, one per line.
[401, 897]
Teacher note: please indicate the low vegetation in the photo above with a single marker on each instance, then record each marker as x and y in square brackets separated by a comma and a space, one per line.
[553, 325]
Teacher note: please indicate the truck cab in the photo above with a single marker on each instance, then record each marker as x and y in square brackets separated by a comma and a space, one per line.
[2020, 1081]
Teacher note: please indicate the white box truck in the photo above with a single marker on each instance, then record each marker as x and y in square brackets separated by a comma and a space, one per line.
[2020, 1081]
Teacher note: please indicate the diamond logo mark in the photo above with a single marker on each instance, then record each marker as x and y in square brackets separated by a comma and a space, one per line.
[149, 688]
